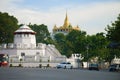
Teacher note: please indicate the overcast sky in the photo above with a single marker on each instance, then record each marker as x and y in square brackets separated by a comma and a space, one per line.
[91, 16]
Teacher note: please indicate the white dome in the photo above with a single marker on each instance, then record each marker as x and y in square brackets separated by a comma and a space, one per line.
[24, 29]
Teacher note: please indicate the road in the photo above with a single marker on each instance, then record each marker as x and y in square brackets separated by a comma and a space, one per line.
[55, 74]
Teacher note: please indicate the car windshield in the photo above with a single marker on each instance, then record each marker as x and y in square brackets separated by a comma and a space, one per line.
[65, 63]
[113, 65]
[93, 64]
[68, 63]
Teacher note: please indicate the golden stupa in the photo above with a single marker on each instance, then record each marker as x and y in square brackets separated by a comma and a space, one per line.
[66, 28]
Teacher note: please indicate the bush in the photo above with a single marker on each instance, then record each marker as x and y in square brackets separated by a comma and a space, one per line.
[20, 65]
[48, 60]
[48, 65]
[11, 65]
[40, 65]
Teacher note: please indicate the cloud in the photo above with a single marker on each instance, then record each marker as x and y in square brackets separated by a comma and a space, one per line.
[92, 18]
[95, 17]
[7, 5]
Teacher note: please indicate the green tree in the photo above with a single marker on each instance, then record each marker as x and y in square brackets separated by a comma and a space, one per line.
[76, 41]
[76, 38]
[60, 39]
[97, 46]
[42, 33]
[113, 32]
[8, 24]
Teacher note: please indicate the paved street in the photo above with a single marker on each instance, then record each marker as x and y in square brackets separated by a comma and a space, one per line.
[55, 74]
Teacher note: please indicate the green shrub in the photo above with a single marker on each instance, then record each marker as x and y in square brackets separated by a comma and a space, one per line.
[11, 65]
[20, 65]
[40, 65]
[48, 65]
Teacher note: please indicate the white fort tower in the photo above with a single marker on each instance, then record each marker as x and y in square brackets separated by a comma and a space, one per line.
[31, 53]
[24, 37]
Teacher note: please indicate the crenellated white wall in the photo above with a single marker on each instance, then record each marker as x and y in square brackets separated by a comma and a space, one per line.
[24, 47]
[25, 40]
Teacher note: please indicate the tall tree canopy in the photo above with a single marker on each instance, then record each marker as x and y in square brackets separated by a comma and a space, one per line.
[42, 33]
[8, 24]
[60, 40]
[76, 38]
[97, 46]
[113, 35]
[113, 31]
[71, 43]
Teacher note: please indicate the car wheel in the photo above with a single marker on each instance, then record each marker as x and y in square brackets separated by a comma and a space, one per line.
[111, 69]
[90, 69]
[57, 67]
[71, 67]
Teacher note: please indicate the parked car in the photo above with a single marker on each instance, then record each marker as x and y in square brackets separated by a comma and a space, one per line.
[65, 65]
[93, 67]
[114, 67]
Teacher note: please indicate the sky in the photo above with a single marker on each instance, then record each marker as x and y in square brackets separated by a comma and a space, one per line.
[91, 16]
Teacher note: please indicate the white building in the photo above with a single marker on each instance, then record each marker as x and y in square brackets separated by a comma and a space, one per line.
[75, 60]
[25, 48]
[115, 60]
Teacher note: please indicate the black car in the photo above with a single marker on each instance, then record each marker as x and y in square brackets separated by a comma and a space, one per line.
[114, 67]
[93, 67]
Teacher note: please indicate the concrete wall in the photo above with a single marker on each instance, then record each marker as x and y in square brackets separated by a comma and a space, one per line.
[35, 64]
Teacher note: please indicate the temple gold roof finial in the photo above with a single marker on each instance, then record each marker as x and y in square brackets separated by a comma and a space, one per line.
[66, 21]
[55, 27]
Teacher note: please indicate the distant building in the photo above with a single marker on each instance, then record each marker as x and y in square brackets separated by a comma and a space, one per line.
[65, 28]
[25, 49]
[115, 61]
[75, 60]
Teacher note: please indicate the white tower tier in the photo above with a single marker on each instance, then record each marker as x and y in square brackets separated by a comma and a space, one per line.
[24, 37]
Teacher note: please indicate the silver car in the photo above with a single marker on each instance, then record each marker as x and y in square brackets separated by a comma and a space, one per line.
[65, 65]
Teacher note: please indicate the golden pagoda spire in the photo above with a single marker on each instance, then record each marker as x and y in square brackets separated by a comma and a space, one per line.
[55, 27]
[66, 21]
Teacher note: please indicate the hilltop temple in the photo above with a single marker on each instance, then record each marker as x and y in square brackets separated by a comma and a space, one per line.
[65, 28]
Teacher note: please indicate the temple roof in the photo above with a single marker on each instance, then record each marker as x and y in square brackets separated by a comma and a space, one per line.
[66, 22]
[66, 26]
[55, 27]
[76, 28]
[24, 29]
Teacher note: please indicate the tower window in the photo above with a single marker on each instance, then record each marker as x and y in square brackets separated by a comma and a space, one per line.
[22, 54]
